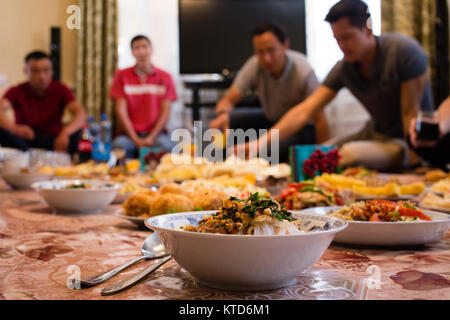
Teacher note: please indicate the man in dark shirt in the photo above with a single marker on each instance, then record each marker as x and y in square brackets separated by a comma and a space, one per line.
[38, 106]
[387, 74]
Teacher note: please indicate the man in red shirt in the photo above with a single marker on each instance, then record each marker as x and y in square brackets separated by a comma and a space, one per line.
[39, 105]
[143, 95]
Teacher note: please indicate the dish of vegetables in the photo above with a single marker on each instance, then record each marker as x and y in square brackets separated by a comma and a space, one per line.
[381, 211]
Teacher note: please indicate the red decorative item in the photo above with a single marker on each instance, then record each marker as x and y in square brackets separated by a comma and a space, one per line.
[320, 162]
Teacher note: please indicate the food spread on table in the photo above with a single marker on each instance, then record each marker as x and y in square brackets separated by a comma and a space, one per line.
[437, 202]
[298, 196]
[374, 187]
[442, 186]
[236, 191]
[172, 198]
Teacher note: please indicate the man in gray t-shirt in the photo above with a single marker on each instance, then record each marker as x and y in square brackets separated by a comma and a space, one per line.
[282, 78]
[387, 74]
[278, 95]
[398, 59]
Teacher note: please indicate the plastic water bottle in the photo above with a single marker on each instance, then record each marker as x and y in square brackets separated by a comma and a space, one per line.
[102, 141]
[93, 127]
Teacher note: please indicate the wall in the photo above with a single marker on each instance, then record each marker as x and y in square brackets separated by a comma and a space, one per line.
[25, 26]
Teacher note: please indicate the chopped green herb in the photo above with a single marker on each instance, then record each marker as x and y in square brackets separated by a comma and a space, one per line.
[395, 214]
[258, 203]
[409, 206]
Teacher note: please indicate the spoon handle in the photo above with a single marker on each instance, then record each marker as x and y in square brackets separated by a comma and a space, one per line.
[131, 281]
[100, 278]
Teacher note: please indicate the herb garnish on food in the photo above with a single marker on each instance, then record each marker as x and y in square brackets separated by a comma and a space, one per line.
[258, 203]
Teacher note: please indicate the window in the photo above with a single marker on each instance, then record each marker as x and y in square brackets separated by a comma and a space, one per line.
[323, 51]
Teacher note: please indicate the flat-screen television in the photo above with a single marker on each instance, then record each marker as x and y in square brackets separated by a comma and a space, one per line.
[215, 35]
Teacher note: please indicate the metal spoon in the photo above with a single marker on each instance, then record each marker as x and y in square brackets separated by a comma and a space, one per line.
[152, 248]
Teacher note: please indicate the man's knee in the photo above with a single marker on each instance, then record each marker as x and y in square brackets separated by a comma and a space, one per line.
[125, 143]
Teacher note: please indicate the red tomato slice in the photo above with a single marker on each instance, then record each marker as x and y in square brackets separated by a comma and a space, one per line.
[375, 218]
[407, 212]
[287, 192]
[297, 185]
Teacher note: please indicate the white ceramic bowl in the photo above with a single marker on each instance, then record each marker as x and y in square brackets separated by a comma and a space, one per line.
[23, 181]
[244, 263]
[77, 200]
[390, 233]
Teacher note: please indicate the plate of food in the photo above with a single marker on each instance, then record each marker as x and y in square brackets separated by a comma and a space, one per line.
[441, 187]
[170, 198]
[307, 194]
[250, 244]
[436, 202]
[77, 196]
[390, 191]
[387, 223]
[374, 188]
[138, 221]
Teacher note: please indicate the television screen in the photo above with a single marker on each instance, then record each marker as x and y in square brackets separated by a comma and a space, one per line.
[215, 35]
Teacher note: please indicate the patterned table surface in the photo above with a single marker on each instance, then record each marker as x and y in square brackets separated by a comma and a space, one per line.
[40, 252]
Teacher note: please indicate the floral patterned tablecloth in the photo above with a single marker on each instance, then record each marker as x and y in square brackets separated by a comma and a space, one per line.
[41, 252]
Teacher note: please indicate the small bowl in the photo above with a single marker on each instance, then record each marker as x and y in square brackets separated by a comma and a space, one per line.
[77, 200]
[23, 181]
[243, 262]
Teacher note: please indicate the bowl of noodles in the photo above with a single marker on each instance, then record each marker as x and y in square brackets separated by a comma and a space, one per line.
[250, 244]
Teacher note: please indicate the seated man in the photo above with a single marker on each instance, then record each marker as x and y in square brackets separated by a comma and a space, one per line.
[39, 105]
[437, 153]
[143, 95]
[283, 78]
[386, 73]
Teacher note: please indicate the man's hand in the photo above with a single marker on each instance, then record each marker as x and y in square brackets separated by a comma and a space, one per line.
[149, 141]
[61, 143]
[221, 122]
[24, 132]
[139, 142]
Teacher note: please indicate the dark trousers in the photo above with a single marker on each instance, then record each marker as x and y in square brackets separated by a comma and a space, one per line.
[9, 140]
[254, 118]
[439, 155]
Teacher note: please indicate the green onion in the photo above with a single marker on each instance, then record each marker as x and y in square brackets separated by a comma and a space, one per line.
[395, 214]
[409, 206]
